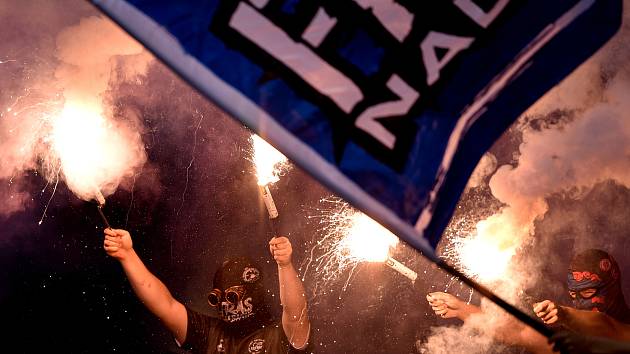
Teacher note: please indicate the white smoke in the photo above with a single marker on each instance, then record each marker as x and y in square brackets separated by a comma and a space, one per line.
[595, 147]
[88, 54]
[63, 127]
[474, 336]
[486, 166]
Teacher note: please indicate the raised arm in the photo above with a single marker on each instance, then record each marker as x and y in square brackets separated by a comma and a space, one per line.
[149, 289]
[571, 342]
[295, 321]
[587, 322]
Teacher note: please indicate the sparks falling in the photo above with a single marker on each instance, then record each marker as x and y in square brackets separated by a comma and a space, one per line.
[366, 240]
[349, 238]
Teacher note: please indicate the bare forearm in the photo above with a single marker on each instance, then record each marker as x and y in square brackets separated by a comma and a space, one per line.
[155, 295]
[149, 289]
[513, 332]
[467, 310]
[295, 321]
[292, 293]
[594, 324]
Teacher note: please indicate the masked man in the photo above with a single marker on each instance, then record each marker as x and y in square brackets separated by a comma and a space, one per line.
[244, 324]
[599, 307]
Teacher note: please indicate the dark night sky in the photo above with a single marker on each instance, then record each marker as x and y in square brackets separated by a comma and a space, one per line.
[194, 204]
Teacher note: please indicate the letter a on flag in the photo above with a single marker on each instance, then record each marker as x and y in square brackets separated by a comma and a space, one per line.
[389, 103]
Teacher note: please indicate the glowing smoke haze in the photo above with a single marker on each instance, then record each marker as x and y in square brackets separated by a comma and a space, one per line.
[71, 133]
[592, 149]
[95, 154]
[108, 151]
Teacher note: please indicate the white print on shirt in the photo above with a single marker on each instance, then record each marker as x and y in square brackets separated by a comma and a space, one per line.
[240, 311]
[256, 345]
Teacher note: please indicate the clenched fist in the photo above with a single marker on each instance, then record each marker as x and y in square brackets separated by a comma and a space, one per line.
[281, 250]
[445, 305]
[547, 311]
[117, 243]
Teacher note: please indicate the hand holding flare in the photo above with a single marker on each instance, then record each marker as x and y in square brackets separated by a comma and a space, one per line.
[281, 250]
[117, 243]
[93, 153]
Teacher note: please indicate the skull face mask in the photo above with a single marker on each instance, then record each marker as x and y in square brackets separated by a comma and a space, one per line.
[238, 295]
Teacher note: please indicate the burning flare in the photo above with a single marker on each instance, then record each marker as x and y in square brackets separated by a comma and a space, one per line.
[366, 240]
[349, 238]
[60, 126]
[94, 154]
[270, 163]
[485, 253]
[482, 258]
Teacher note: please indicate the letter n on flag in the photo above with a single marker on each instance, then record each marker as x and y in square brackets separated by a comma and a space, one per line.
[389, 103]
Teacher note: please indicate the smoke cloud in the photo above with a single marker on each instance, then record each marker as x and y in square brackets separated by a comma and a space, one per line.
[471, 337]
[88, 54]
[572, 159]
[486, 166]
[61, 123]
[16, 198]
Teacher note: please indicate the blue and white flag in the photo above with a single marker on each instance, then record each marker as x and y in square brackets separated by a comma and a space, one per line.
[389, 103]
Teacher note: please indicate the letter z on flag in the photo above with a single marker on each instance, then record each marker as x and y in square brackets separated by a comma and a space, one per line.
[389, 103]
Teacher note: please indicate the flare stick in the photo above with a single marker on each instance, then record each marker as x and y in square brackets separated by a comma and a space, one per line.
[270, 206]
[401, 268]
[100, 200]
[269, 203]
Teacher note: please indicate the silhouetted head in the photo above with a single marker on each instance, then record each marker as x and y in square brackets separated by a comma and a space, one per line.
[238, 294]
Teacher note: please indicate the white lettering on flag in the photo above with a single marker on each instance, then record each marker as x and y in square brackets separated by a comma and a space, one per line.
[296, 56]
[454, 44]
[318, 29]
[367, 120]
[394, 17]
[483, 19]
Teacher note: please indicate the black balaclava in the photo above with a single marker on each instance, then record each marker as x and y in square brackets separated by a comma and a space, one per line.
[251, 312]
[598, 270]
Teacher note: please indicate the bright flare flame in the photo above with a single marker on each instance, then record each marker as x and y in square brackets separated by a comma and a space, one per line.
[76, 137]
[93, 153]
[483, 258]
[484, 249]
[270, 163]
[347, 237]
[367, 240]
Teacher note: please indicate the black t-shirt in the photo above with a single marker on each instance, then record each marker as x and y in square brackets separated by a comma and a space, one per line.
[207, 335]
